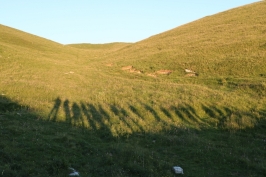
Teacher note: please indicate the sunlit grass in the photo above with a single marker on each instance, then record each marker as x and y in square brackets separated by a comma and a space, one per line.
[212, 46]
[75, 106]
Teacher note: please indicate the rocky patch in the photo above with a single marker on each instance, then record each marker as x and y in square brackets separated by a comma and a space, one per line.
[190, 73]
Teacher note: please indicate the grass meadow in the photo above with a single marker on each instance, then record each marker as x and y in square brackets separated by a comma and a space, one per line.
[74, 106]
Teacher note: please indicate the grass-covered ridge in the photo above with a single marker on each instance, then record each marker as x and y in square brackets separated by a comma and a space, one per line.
[73, 106]
[228, 43]
[110, 46]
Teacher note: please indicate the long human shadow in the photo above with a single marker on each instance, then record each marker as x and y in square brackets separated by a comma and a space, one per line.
[67, 111]
[219, 113]
[94, 117]
[232, 117]
[200, 150]
[184, 112]
[132, 111]
[77, 115]
[126, 116]
[54, 111]
[97, 116]
[166, 113]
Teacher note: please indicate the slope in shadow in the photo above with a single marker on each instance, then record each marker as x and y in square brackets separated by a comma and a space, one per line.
[34, 147]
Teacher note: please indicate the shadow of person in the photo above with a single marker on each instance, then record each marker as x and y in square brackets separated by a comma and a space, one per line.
[67, 111]
[77, 116]
[53, 113]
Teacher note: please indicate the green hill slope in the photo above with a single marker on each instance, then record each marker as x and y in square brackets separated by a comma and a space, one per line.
[76, 106]
[229, 43]
[10, 36]
[33, 67]
[110, 46]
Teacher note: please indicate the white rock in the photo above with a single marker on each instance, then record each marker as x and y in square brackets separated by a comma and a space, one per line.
[189, 71]
[178, 170]
[74, 173]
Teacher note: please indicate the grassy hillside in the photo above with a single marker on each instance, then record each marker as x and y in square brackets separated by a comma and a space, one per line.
[229, 43]
[110, 46]
[96, 51]
[74, 105]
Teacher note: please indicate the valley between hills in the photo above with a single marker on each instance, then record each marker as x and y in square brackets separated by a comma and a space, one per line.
[193, 96]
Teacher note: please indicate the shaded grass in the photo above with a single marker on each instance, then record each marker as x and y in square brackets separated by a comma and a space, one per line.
[97, 151]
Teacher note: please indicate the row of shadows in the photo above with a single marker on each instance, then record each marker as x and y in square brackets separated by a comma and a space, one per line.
[144, 117]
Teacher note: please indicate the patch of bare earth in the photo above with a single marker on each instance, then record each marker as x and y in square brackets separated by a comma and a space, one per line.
[70, 72]
[131, 69]
[109, 64]
[165, 72]
[127, 68]
[191, 75]
[152, 75]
